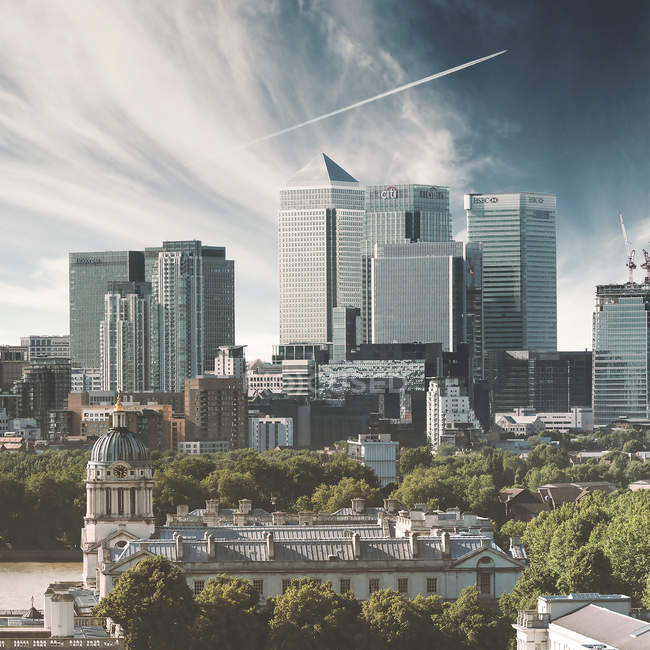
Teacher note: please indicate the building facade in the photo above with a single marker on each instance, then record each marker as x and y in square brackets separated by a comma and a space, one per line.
[268, 433]
[621, 349]
[46, 346]
[396, 214]
[124, 337]
[378, 452]
[13, 358]
[346, 332]
[193, 309]
[89, 275]
[319, 237]
[518, 233]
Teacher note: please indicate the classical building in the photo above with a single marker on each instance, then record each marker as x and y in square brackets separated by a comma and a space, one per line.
[119, 504]
[348, 549]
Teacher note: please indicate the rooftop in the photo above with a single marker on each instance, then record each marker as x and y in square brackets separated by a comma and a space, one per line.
[320, 170]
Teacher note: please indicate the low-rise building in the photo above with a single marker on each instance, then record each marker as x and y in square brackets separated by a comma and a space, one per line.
[378, 452]
[265, 377]
[521, 503]
[579, 621]
[202, 446]
[555, 494]
[515, 424]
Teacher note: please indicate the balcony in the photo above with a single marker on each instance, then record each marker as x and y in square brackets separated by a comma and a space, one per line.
[531, 618]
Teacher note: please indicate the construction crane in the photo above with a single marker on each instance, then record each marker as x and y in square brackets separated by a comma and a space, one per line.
[630, 253]
[646, 265]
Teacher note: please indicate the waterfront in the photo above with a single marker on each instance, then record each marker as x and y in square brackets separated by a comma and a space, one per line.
[19, 581]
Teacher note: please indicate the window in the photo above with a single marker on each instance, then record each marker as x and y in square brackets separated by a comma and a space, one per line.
[198, 586]
[485, 583]
[344, 585]
[373, 585]
[403, 585]
[432, 585]
[285, 584]
[258, 585]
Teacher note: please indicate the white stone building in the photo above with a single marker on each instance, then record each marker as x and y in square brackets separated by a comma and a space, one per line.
[265, 377]
[579, 621]
[579, 418]
[378, 452]
[450, 417]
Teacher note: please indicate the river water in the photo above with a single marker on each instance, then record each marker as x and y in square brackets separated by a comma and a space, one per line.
[19, 581]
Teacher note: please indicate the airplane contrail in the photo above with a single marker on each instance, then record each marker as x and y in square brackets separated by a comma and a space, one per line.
[424, 80]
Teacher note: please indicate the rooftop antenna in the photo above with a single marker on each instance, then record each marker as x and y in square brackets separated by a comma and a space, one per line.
[630, 253]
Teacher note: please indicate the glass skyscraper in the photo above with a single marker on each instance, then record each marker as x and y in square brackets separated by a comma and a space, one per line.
[621, 352]
[320, 229]
[518, 233]
[193, 309]
[396, 214]
[89, 275]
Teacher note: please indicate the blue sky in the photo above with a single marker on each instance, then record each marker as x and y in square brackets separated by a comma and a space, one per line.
[119, 124]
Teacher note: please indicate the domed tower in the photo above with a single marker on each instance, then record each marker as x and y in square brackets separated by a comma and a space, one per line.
[119, 484]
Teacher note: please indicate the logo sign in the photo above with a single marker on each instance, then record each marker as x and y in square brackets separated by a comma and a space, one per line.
[485, 199]
[535, 199]
[432, 193]
[389, 193]
[87, 260]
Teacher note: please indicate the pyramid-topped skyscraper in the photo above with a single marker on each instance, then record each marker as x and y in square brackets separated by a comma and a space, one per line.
[320, 230]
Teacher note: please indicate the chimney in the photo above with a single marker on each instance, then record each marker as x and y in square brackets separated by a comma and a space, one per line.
[239, 518]
[62, 615]
[514, 541]
[182, 510]
[422, 507]
[245, 506]
[212, 547]
[306, 518]
[279, 518]
[178, 541]
[413, 542]
[356, 545]
[358, 505]
[212, 506]
[47, 607]
[445, 544]
[485, 542]
[270, 547]
[390, 505]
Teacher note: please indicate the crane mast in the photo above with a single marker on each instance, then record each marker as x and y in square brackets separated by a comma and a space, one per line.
[630, 253]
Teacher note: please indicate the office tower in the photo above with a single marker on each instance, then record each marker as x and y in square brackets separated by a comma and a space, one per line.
[320, 229]
[346, 332]
[43, 387]
[216, 408]
[124, 337]
[396, 214]
[518, 233]
[621, 349]
[299, 378]
[46, 347]
[427, 292]
[543, 381]
[193, 309]
[13, 358]
[268, 433]
[90, 274]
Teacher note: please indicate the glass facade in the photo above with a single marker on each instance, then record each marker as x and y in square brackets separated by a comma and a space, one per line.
[89, 275]
[621, 352]
[346, 331]
[320, 230]
[518, 233]
[396, 214]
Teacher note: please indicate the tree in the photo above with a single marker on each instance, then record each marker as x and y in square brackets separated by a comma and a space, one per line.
[329, 498]
[399, 624]
[153, 604]
[467, 623]
[228, 616]
[587, 571]
[414, 457]
[632, 446]
[312, 616]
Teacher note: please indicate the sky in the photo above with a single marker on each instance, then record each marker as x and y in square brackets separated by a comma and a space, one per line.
[121, 125]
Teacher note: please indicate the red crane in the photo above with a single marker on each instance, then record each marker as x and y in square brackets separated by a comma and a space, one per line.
[630, 253]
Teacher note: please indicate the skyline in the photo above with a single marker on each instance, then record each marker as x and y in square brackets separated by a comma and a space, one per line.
[115, 126]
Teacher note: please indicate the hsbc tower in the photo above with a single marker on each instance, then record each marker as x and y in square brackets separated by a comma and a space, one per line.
[518, 233]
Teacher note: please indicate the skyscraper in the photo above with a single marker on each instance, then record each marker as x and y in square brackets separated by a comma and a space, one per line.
[518, 233]
[396, 214]
[124, 337]
[90, 274]
[193, 309]
[621, 352]
[320, 229]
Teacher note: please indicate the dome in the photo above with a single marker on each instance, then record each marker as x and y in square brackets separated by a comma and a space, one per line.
[119, 444]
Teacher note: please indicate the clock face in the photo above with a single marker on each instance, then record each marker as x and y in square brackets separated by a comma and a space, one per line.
[120, 471]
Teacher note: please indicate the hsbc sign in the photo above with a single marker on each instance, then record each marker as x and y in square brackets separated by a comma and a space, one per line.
[485, 199]
[389, 193]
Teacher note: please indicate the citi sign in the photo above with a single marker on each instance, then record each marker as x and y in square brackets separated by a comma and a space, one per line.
[389, 193]
[485, 199]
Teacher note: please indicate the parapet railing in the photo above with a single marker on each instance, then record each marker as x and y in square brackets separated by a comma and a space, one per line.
[90, 621]
[531, 618]
[53, 644]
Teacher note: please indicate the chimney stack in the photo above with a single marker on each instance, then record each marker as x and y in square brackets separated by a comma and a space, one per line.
[358, 505]
[356, 546]
[245, 506]
[413, 542]
[178, 541]
[390, 505]
[212, 547]
[270, 547]
[446, 544]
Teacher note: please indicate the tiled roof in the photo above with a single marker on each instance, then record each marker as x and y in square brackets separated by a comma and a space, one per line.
[279, 532]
